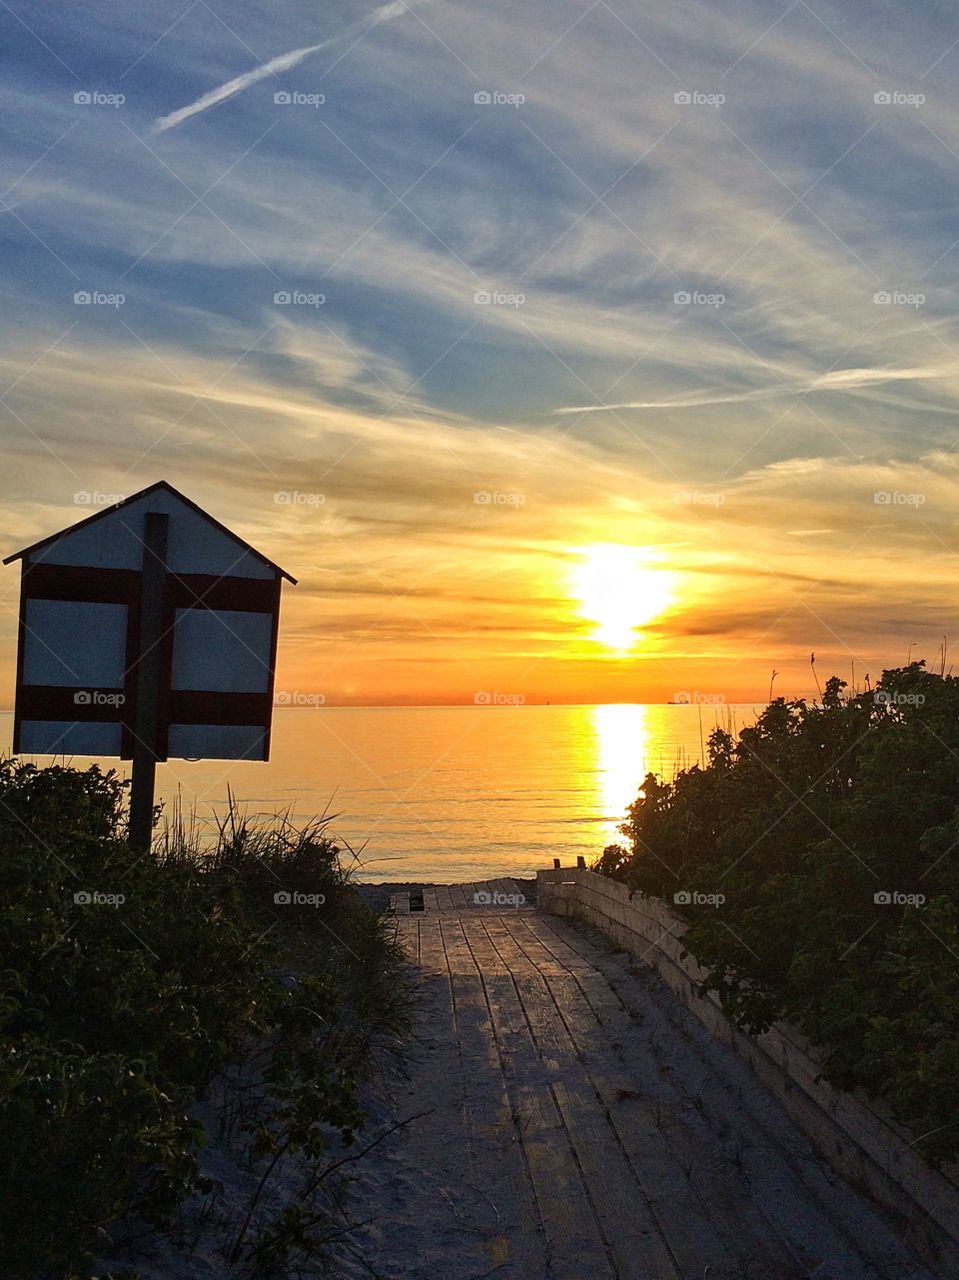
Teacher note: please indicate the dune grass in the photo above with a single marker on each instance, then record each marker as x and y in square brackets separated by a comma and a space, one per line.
[130, 982]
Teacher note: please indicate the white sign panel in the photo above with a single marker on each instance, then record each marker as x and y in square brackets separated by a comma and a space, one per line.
[108, 612]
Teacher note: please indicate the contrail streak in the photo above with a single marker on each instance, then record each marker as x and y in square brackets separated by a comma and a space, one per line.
[281, 63]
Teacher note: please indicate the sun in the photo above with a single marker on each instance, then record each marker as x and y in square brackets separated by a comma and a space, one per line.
[619, 590]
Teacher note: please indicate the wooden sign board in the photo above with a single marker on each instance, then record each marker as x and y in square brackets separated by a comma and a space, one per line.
[147, 627]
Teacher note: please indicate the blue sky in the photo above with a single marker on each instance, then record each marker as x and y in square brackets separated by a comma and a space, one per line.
[588, 199]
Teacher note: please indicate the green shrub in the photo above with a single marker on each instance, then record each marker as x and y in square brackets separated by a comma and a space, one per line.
[799, 825]
[131, 979]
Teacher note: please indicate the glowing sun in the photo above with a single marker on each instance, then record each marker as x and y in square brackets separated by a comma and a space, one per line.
[620, 591]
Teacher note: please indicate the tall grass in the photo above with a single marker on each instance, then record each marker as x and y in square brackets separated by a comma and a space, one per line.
[131, 982]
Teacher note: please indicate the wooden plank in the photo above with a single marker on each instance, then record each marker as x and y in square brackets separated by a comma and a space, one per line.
[574, 1240]
[497, 1150]
[444, 903]
[432, 953]
[767, 1237]
[805, 1214]
[682, 1219]
[637, 1245]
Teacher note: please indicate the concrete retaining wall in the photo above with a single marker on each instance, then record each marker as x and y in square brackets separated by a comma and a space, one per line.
[852, 1133]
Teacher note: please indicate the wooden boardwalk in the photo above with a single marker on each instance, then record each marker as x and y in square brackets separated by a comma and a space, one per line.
[581, 1125]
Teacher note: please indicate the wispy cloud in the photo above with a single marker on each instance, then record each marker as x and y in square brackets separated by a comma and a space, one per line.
[680, 402]
[748, 440]
[836, 380]
[842, 379]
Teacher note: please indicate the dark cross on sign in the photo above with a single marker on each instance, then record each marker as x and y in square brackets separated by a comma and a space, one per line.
[147, 631]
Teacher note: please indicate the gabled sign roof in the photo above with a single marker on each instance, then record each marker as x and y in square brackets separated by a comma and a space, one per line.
[27, 552]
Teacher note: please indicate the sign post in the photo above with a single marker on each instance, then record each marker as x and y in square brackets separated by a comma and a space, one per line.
[148, 631]
[156, 527]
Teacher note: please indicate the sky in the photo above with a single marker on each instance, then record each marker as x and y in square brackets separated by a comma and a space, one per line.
[572, 351]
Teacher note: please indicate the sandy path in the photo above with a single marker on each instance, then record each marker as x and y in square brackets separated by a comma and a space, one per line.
[581, 1125]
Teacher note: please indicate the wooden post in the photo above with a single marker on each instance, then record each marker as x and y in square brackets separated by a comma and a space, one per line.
[556, 864]
[156, 528]
[581, 862]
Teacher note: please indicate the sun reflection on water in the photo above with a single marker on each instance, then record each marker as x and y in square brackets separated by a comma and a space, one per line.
[623, 748]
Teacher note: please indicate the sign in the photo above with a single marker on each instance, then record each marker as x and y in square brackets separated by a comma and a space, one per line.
[147, 631]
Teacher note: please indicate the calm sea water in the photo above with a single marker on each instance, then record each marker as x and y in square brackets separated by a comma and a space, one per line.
[452, 793]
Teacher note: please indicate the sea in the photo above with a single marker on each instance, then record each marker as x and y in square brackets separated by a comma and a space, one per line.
[448, 794]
